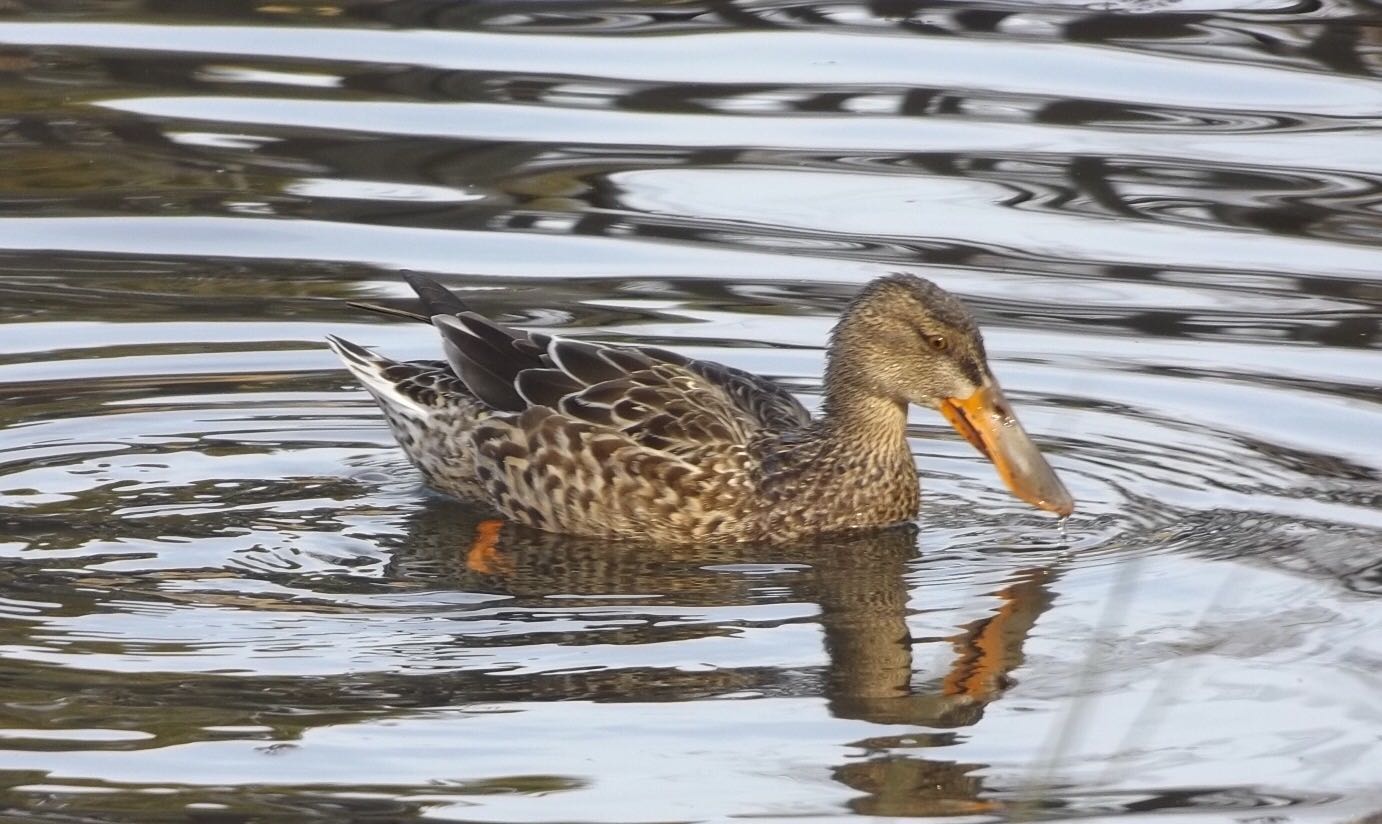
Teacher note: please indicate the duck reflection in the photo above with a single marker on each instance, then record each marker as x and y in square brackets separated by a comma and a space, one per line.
[859, 583]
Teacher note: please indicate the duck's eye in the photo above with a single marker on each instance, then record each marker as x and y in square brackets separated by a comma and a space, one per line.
[938, 342]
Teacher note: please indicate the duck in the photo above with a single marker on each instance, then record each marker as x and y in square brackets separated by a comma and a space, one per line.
[633, 442]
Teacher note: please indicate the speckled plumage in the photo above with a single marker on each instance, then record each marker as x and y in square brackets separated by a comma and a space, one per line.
[622, 441]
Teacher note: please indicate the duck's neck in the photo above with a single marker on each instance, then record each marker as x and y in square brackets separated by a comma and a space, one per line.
[863, 443]
[852, 414]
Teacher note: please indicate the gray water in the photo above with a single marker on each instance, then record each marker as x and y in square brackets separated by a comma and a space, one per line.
[225, 597]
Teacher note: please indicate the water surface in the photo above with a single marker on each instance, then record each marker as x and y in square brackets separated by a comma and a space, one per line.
[225, 597]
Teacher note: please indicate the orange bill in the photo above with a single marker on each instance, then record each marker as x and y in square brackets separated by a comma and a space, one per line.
[987, 421]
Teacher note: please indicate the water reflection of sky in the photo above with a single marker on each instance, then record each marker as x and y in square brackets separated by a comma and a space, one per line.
[223, 592]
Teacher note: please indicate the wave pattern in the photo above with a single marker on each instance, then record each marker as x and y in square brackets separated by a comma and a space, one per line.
[222, 593]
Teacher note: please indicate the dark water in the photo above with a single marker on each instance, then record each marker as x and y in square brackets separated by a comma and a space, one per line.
[225, 598]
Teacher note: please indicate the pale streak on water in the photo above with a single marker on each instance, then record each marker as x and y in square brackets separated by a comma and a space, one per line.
[224, 597]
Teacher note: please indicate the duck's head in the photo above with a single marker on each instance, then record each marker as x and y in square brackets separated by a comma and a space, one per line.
[906, 340]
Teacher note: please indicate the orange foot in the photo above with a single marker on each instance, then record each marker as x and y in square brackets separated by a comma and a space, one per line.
[485, 556]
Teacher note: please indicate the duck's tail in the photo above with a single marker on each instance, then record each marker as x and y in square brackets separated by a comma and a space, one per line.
[380, 375]
[430, 412]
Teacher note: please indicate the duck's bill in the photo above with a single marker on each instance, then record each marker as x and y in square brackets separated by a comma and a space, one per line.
[987, 421]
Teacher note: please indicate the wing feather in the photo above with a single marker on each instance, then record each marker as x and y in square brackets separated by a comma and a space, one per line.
[436, 299]
[654, 396]
[546, 387]
[583, 361]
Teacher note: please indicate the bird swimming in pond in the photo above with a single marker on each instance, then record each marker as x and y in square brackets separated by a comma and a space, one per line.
[636, 442]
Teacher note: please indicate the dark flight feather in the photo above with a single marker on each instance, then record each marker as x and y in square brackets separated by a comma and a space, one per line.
[437, 299]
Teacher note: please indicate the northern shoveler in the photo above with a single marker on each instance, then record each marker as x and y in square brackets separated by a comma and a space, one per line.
[637, 442]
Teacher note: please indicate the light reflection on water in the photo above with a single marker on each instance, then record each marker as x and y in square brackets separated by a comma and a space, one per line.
[224, 595]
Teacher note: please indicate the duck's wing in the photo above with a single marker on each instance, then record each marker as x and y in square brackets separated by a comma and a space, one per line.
[764, 400]
[657, 396]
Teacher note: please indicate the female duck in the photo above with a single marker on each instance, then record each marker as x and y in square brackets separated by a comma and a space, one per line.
[636, 442]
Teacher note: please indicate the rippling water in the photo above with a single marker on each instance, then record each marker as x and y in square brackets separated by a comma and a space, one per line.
[224, 596]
